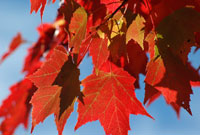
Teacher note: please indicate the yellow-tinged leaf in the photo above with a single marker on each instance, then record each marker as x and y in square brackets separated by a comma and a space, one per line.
[135, 31]
[101, 34]
[118, 23]
[77, 27]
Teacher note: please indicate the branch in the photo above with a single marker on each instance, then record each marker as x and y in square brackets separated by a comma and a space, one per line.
[123, 3]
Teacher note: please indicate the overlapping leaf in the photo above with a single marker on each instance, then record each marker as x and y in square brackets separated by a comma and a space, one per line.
[111, 5]
[35, 52]
[67, 9]
[56, 79]
[99, 51]
[169, 71]
[77, 27]
[136, 61]
[68, 79]
[96, 12]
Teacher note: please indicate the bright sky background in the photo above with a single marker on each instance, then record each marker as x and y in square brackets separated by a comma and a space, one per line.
[15, 17]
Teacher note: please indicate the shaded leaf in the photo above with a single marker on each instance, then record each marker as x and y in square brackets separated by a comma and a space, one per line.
[51, 88]
[117, 47]
[67, 8]
[173, 73]
[136, 61]
[68, 79]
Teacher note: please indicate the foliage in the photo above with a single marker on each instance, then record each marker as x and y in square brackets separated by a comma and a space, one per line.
[118, 35]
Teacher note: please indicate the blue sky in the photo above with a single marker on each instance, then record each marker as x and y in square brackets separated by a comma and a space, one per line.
[15, 17]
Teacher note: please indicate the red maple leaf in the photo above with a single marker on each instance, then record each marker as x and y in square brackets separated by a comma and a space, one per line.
[77, 29]
[169, 72]
[44, 43]
[57, 78]
[19, 98]
[99, 51]
[96, 12]
[109, 98]
[111, 5]
[136, 61]
[36, 4]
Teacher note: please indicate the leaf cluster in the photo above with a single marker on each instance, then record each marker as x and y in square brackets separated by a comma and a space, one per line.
[125, 38]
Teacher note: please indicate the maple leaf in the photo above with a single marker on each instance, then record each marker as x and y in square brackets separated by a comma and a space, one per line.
[150, 39]
[109, 98]
[111, 5]
[67, 9]
[36, 4]
[68, 79]
[99, 51]
[17, 100]
[77, 27]
[57, 79]
[169, 71]
[159, 9]
[15, 43]
[136, 61]
[44, 43]
[155, 71]
[115, 31]
[45, 101]
[117, 47]
[96, 12]
[178, 33]
[60, 121]
[134, 57]
[135, 31]
[84, 47]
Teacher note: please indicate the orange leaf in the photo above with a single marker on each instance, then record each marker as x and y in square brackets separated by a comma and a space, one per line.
[136, 31]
